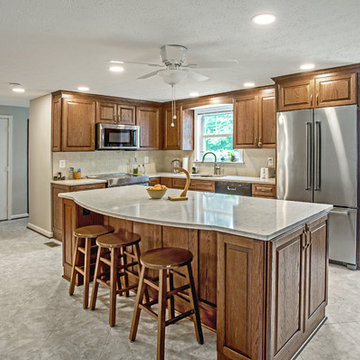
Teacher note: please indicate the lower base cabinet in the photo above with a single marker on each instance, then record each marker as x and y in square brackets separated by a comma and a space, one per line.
[264, 299]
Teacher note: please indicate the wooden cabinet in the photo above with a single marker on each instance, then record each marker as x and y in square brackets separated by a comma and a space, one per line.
[169, 182]
[154, 180]
[195, 184]
[267, 119]
[245, 122]
[181, 135]
[263, 190]
[78, 124]
[56, 123]
[336, 90]
[240, 302]
[255, 120]
[317, 90]
[295, 95]
[56, 189]
[109, 112]
[148, 118]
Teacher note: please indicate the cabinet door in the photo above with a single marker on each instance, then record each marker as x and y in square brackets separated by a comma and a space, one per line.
[154, 180]
[56, 124]
[105, 112]
[286, 292]
[295, 95]
[172, 134]
[240, 298]
[78, 125]
[316, 274]
[126, 114]
[336, 90]
[57, 210]
[265, 190]
[149, 121]
[245, 122]
[168, 182]
[267, 120]
[202, 185]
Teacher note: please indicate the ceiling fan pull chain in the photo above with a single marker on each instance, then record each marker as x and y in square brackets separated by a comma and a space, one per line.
[173, 106]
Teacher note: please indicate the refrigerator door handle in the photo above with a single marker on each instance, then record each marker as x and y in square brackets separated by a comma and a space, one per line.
[317, 157]
[309, 130]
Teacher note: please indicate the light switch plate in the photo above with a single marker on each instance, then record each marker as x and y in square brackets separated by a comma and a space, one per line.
[62, 164]
[146, 160]
[270, 161]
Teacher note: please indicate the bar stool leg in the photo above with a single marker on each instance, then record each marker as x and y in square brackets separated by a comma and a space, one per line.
[137, 254]
[87, 272]
[73, 272]
[125, 276]
[171, 301]
[139, 299]
[194, 304]
[113, 280]
[161, 315]
[95, 282]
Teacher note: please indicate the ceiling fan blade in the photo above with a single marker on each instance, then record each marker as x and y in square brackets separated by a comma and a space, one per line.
[148, 75]
[213, 64]
[135, 63]
[197, 76]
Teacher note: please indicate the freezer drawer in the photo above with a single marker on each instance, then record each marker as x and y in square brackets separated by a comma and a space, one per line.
[343, 235]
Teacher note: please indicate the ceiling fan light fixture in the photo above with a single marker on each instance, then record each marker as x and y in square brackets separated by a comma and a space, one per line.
[263, 19]
[173, 77]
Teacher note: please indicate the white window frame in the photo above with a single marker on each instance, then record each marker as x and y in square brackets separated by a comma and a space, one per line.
[199, 135]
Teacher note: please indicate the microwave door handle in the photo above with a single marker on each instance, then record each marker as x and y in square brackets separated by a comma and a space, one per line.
[308, 155]
[317, 158]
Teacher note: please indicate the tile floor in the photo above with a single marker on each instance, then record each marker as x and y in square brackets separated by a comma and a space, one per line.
[38, 320]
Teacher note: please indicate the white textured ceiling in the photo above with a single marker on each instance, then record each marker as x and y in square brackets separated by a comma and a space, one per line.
[48, 45]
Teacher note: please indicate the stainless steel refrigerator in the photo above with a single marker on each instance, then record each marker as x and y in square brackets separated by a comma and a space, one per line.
[317, 161]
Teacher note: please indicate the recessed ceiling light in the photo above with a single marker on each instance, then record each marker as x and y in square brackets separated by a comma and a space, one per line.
[83, 88]
[249, 84]
[194, 94]
[264, 19]
[16, 87]
[116, 62]
[116, 68]
[307, 66]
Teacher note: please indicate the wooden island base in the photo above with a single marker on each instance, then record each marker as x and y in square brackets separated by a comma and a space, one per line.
[264, 299]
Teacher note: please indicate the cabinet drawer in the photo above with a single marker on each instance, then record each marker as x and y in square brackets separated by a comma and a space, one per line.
[201, 185]
[155, 180]
[168, 182]
[263, 190]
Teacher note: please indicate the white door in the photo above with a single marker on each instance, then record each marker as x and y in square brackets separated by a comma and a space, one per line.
[4, 124]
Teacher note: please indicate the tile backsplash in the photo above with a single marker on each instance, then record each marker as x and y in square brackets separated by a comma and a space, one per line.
[97, 162]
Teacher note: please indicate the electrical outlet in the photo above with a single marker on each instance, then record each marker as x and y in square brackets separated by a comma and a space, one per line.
[270, 161]
[146, 160]
[62, 164]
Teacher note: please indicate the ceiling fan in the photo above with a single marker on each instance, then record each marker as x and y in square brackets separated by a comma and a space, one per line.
[175, 68]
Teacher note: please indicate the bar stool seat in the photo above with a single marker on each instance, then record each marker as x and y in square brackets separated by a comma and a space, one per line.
[82, 266]
[113, 253]
[166, 261]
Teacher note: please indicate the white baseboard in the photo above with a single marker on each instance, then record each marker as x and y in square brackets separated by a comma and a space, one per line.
[18, 216]
[38, 229]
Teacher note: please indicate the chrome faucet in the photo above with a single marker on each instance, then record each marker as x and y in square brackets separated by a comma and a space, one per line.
[217, 167]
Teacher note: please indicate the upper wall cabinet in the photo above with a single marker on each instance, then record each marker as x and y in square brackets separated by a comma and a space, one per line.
[108, 112]
[73, 123]
[255, 120]
[148, 118]
[179, 133]
[317, 91]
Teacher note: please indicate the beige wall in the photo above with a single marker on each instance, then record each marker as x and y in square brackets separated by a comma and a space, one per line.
[40, 165]
[19, 156]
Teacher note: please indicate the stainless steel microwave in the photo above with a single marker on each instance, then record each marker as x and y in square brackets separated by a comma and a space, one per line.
[117, 137]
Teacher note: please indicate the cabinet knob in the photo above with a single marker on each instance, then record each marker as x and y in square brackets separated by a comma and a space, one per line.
[259, 143]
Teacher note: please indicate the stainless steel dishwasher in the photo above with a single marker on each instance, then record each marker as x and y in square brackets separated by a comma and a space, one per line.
[234, 188]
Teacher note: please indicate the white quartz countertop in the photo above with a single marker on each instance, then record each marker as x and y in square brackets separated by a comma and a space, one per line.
[234, 178]
[262, 219]
[78, 182]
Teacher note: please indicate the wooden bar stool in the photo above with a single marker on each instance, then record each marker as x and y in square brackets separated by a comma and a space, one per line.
[89, 234]
[113, 253]
[166, 260]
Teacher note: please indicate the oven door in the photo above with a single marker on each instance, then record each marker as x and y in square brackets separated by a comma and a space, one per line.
[117, 137]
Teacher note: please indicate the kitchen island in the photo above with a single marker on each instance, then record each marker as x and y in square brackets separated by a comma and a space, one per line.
[260, 265]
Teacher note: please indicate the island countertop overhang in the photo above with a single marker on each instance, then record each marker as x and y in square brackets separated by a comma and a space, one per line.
[260, 219]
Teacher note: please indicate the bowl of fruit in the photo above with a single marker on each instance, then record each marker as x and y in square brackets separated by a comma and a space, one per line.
[157, 191]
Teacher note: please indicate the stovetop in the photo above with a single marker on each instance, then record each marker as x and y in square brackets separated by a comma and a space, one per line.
[121, 179]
